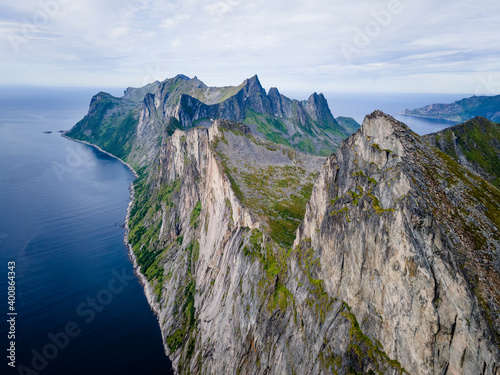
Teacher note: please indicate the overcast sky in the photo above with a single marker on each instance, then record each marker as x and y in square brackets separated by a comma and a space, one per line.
[317, 45]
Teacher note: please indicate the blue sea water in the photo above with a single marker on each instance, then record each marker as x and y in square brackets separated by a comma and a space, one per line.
[62, 207]
[359, 105]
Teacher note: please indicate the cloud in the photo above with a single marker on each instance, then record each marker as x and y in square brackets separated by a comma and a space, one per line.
[291, 44]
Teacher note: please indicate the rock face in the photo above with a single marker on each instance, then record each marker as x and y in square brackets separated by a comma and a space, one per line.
[394, 269]
[475, 144]
[461, 110]
[394, 224]
[134, 125]
[272, 115]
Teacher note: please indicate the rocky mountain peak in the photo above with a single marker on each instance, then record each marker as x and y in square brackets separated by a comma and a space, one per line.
[390, 211]
[385, 131]
[254, 87]
[273, 94]
[317, 108]
[183, 77]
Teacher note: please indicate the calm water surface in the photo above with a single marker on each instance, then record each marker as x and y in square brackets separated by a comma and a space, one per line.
[62, 207]
[359, 105]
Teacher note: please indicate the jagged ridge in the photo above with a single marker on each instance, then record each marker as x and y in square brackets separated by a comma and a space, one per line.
[133, 126]
[229, 297]
[388, 262]
[409, 239]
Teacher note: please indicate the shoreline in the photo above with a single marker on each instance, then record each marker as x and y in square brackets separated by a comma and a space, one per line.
[147, 287]
[428, 117]
[100, 149]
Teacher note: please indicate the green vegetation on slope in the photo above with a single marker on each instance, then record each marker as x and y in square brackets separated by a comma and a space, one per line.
[477, 257]
[108, 127]
[271, 128]
[145, 230]
[145, 222]
[348, 123]
[278, 194]
[479, 141]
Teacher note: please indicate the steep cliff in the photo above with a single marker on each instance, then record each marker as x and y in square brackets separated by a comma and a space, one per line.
[394, 268]
[410, 240]
[475, 144]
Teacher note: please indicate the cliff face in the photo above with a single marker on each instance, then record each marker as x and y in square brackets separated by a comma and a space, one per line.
[404, 236]
[394, 268]
[475, 144]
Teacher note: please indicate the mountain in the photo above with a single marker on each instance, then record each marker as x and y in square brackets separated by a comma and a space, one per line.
[258, 258]
[348, 123]
[474, 144]
[461, 110]
[133, 126]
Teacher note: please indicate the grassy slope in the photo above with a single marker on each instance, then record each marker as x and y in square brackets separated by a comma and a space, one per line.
[275, 130]
[348, 123]
[111, 126]
[478, 139]
[278, 192]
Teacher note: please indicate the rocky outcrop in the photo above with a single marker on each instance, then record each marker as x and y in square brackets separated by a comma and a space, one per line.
[399, 238]
[394, 268]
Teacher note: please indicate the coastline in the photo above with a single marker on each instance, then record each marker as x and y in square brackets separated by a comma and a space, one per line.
[148, 288]
[100, 149]
[428, 117]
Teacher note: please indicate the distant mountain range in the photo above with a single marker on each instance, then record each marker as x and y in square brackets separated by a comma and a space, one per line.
[133, 124]
[461, 110]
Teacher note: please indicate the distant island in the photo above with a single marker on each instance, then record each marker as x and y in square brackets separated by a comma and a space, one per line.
[461, 110]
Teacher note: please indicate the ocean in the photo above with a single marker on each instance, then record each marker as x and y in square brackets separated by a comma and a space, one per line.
[358, 106]
[80, 308]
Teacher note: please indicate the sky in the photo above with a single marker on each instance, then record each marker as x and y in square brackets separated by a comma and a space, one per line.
[391, 46]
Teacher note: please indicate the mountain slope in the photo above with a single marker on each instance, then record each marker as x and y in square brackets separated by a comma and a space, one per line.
[474, 144]
[133, 126]
[394, 268]
[348, 123]
[461, 110]
[230, 298]
[410, 240]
